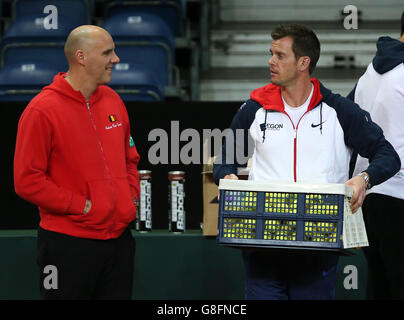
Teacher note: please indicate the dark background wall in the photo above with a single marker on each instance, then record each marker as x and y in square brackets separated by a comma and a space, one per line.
[144, 117]
[191, 254]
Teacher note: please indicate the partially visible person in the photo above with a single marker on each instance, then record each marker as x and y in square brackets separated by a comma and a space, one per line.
[76, 160]
[380, 91]
[301, 131]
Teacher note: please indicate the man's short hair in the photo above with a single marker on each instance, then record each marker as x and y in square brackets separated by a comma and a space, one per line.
[305, 41]
[402, 23]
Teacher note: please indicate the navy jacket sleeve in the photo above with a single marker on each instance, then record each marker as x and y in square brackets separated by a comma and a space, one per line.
[365, 137]
[237, 145]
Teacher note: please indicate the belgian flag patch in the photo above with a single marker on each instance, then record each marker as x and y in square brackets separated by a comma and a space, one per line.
[112, 118]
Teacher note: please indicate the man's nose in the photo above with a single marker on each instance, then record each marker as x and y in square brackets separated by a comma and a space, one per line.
[115, 58]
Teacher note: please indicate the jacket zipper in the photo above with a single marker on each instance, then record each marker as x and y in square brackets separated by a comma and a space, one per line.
[102, 153]
[295, 144]
[99, 142]
[295, 153]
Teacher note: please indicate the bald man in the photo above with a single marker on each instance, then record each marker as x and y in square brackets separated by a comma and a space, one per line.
[76, 160]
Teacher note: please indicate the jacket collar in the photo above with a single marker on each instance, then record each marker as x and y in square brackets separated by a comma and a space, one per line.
[60, 85]
[270, 96]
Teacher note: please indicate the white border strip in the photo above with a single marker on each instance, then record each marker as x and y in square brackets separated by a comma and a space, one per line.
[299, 187]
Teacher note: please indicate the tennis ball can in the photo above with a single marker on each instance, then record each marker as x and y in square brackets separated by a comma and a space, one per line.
[176, 199]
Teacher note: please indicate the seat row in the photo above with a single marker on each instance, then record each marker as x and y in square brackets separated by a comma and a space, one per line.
[31, 50]
[172, 12]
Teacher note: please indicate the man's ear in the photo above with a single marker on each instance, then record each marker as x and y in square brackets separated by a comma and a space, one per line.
[304, 63]
[79, 56]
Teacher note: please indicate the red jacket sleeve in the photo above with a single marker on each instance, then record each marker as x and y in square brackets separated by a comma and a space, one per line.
[132, 161]
[31, 182]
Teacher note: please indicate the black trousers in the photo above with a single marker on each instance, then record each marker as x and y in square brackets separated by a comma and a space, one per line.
[384, 220]
[283, 275]
[83, 269]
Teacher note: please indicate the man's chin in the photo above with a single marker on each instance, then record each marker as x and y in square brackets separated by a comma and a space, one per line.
[105, 81]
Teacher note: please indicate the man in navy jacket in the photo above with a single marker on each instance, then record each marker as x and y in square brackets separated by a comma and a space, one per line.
[299, 131]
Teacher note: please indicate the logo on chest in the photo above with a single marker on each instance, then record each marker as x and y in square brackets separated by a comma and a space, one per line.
[271, 126]
[114, 122]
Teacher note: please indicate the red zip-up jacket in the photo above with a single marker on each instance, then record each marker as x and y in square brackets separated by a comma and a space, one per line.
[68, 151]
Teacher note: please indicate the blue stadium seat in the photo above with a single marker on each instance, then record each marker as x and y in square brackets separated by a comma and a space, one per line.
[21, 82]
[144, 39]
[32, 27]
[1, 16]
[134, 82]
[27, 38]
[36, 52]
[173, 12]
[76, 10]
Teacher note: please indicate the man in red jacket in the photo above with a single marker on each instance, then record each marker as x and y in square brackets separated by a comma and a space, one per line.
[76, 160]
